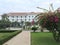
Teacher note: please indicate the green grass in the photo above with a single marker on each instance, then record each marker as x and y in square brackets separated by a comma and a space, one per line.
[43, 38]
[6, 35]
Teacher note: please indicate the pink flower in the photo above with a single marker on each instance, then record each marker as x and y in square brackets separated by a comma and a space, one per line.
[51, 18]
[33, 22]
[56, 19]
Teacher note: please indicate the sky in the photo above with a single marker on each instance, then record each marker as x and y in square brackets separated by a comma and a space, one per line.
[7, 6]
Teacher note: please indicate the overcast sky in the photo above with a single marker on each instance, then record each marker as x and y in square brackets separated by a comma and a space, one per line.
[7, 6]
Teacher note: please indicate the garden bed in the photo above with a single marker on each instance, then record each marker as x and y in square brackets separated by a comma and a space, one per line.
[7, 34]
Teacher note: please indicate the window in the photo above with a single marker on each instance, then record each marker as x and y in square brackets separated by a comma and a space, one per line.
[12, 16]
[25, 19]
[12, 19]
[32, 16]
[17, 16]
[21, 16]
[21, 19]
[25, 16]
[29, 19]
[17, 19]
[8, 16]
[29, 16]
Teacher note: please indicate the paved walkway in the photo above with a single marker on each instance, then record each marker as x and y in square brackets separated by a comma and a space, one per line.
[21, 39]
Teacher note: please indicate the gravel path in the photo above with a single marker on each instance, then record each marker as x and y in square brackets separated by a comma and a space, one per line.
[21, 39]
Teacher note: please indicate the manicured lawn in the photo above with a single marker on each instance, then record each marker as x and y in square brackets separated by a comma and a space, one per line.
[43, 38]
[6, 35]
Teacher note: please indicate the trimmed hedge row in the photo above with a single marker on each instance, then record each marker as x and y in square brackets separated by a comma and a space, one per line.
[5, 31]
[9, 36]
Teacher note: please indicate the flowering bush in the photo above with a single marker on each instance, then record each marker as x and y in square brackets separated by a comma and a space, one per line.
[50, 22]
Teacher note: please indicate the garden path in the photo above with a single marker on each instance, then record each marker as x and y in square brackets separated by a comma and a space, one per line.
[22, 38]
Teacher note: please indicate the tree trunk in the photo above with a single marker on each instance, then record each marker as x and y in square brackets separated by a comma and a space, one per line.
[41, 29]
[34, 30]
[56, 36]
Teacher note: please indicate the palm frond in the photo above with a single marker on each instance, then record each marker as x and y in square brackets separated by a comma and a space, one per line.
[43, 9]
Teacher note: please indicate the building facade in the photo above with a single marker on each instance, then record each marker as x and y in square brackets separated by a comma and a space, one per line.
[0, 17]
[22, 16]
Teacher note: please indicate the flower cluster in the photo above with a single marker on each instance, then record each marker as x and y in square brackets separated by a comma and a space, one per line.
[53, 18]
[49, 22]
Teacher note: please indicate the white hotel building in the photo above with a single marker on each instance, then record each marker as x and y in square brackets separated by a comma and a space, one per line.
[0, 17]
[21, 16]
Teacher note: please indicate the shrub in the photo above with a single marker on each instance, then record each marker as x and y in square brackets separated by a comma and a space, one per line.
[51, 23]
[7, 37]
[4, 24]
[34, 28]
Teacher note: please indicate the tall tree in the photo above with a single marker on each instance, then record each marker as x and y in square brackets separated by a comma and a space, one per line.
[5, 17]
[4, 23]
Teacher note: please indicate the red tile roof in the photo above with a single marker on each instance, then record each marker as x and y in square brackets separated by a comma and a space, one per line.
[22, 13]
